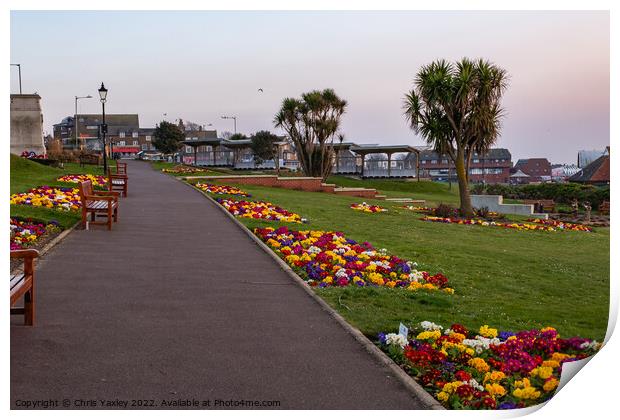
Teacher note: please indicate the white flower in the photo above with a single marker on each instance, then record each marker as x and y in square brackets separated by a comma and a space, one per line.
[590, 345]
[416, 275]
[475, 384]
[430, 326]
[342, 273]
[398, 339]
[314, 249]
[480, 343]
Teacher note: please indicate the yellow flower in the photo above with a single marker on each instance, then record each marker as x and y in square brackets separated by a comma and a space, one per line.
[494, 376]
[485, 331]
[429, 335]
[443, 396]
[479, 364]
[495, 390]
[550, 385]
[528, 393]
[459, 337]
[543, 372]
[551, 363]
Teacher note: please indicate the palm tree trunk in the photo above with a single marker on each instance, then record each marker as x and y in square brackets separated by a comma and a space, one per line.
[466, 208]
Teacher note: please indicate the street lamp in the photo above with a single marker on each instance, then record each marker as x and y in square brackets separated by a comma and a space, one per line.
[19, 70]
[234, 118]
[75, 121]
[103, 94]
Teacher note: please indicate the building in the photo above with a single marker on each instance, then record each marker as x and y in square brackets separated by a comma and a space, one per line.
[586, 157]
[125, 137]
[539, 169]
[375, 161]
[206, 149]
[561, 172]
[492, 167]
[120, 126]
[26, 124]
[596, 173]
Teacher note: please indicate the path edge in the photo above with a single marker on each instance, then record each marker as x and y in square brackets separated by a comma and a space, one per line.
[407, 381]
[51, 244]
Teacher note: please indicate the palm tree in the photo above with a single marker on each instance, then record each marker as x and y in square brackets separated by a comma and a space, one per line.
[456, 109]
[311, 123]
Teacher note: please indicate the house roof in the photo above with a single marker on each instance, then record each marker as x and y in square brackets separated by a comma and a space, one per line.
[519, 174]
[533, 161]
[367, 149]
[495, 153]
[595, 173]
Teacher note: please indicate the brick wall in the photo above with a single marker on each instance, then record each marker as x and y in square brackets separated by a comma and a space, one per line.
[290, 183]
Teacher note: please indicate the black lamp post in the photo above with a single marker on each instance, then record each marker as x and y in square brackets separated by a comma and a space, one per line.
[103, 93]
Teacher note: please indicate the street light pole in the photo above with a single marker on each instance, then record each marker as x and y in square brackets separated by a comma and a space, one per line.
[75, 121]
[103, 94]
[19, 71]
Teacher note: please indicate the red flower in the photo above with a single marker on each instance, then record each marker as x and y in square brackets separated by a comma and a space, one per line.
[461, 375]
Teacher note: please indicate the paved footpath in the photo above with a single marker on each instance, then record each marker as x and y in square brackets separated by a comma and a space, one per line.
[176, 302]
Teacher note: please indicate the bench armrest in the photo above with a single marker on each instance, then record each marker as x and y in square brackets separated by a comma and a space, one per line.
[28, 255]
[25, 253]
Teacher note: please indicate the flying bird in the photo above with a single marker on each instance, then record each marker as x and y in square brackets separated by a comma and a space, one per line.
[260, 90]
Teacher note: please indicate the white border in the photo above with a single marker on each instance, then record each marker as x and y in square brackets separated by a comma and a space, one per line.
[592, 394]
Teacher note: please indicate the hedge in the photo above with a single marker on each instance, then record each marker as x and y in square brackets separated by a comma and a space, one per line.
[560, 193]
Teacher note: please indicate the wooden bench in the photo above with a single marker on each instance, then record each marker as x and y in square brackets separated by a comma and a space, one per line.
[98, 203]
[542, 206]
[22, 284]
[603, 208]
[118, 181]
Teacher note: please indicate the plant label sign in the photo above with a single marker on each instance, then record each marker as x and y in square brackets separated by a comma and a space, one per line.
[402, 330]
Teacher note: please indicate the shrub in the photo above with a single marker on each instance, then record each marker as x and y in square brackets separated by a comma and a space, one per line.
[560, 193]
[445, 210]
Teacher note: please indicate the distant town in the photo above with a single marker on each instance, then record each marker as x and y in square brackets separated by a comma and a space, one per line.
[204, 147]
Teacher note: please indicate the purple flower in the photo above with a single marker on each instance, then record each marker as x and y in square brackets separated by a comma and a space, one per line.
[507, 405]
[381, 337]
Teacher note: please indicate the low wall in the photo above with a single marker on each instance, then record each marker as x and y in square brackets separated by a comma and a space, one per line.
[309, 184]
[496, 203]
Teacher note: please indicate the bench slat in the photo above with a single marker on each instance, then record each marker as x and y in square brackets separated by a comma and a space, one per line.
[16, 279]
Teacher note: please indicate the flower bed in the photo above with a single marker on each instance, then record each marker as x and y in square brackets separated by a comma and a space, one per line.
[561, 225]
[25, 233]
[182, 169]
[367, 208]
[547, 227]
[486, 369]
[327, 259]
[60, 198]
[420, 209]
[259, 210]
[221, 189]
[97, 180]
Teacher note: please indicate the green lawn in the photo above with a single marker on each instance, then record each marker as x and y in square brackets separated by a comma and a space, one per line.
[26, 174]
[433, 192]
[509, 279]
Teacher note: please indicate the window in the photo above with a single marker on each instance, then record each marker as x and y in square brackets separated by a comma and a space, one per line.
[135, 142]
[188, 149]
[121, 134]
[148, 138]
[144, 147]
[444, 160]
[476, 160]
[121, 142]
[134, 134]
[475, 171]
[433, 161]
